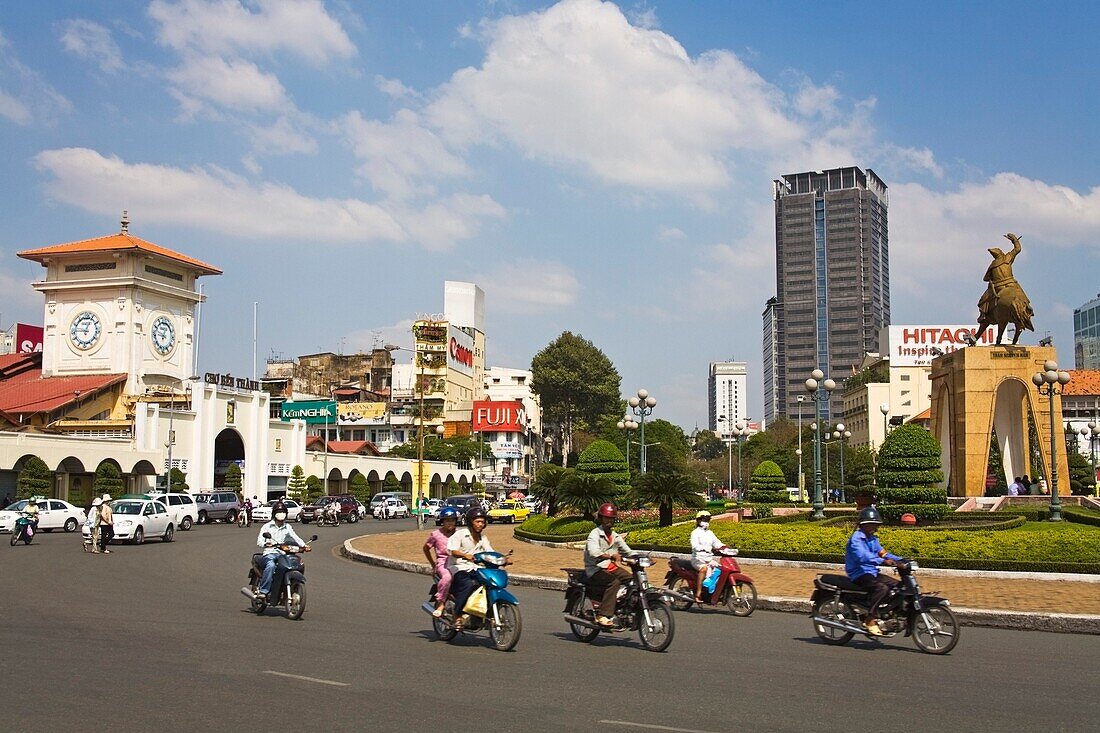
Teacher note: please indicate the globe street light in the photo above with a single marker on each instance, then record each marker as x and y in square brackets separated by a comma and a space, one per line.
[1051, 382]
[642, 405]
[801, 480]
[626, 425]
[418, 492]
[842, 435]
[819, 396]
[884, 408]
[740, 432]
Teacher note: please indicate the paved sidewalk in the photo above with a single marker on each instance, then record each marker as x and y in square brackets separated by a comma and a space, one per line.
[987, 594]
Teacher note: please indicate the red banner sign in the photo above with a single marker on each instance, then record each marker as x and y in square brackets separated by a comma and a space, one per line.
[499, 417]
[28, 339]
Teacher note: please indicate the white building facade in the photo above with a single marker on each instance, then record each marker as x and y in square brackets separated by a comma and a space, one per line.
[727, 395]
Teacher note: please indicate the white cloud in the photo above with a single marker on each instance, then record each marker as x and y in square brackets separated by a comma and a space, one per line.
[577, 85]
[230, 27]
[400, 155]
[25, 97]
[530, 286]
[234, 84]
[14, 110]
[811, 100]
[395, 88]
[284, 137]
[91, 41]
[218, 201]
[670, 234]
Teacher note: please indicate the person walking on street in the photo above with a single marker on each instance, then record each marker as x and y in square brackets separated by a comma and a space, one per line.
[93, 525]
[106, 524]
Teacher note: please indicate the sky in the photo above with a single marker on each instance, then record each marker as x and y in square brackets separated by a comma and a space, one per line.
[595, 167]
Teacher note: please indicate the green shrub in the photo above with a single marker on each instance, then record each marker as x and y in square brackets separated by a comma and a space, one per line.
[913, 495]
[910, 456]
[768, 476]
[910, 463]
[1081, 515]
[908, 478]
[923, 512]
[108, 480]
[766, 497]
[36, 479]
[603, 458]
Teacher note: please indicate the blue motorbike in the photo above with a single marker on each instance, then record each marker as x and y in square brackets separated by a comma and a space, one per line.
[502, 618]
[23, 530]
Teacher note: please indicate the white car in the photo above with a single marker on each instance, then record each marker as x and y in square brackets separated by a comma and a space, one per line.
[393, 508]
[182, 507]
[135, 520]
[263, 513]
[52, 514]
[434, 505]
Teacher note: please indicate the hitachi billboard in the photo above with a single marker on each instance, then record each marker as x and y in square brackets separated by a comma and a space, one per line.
[907, 346]
[499, 417]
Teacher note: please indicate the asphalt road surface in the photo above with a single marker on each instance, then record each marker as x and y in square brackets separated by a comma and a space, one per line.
[159, 638]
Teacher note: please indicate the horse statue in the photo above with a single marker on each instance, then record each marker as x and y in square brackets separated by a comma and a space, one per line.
[1004, 301]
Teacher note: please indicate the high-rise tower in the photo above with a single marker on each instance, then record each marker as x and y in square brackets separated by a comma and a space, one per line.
[832, 278]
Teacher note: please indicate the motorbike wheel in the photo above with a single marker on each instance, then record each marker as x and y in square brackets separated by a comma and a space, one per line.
[444, 626]
[741, 600]
[15, 534]
[296, 602]
[658, 638]
[583, 633]
[936, 631]
[506, 635]
[835, 610]
[683, 587]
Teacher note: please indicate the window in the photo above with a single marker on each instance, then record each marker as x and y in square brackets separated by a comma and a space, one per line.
[57, 505]
[905, 377]
[278, 444]
[148, 510]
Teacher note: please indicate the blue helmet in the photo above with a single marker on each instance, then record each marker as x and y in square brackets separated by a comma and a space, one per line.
[448, 512]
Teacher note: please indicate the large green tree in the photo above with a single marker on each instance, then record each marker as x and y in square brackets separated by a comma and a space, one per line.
[108, 480]
[296, 486]
[666, 491]
[577, 386]
[36, 479]
[460, 449]
[708, 446]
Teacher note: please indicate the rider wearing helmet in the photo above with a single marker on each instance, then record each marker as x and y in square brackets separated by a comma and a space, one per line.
[437, 542]
[280, 533]
[703, 545]
[862, 559]
[603, 552]
[461, 548]
[31, 510]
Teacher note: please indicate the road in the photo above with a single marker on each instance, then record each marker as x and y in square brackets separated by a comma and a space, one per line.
[158, 637]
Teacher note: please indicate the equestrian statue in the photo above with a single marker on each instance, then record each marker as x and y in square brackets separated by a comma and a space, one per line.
[1004, 301]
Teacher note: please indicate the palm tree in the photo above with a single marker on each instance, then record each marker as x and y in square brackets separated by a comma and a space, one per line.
[586, 492]
[668, 490]
[547, 486]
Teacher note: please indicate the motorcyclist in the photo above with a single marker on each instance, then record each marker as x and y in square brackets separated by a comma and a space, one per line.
[603, 552]
[703, 545]
[31, 510]
[462, 546]
[437, 544]
[332, 511]
[280, 533]
[862, 559]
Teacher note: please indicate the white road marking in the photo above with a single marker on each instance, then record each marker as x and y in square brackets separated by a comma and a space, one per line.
[652, 727]
[312, 679]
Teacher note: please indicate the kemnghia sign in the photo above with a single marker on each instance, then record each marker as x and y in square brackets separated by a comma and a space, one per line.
[913, 345]
[460, 351]
[314, 412]
[499, 417]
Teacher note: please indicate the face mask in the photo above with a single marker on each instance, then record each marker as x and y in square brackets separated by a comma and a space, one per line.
[280, 516]
[704, 525]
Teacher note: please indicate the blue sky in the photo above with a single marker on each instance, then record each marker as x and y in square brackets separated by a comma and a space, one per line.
[595, 167]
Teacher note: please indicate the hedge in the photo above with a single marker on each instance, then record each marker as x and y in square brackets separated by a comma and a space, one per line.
[1067, 548]
[910, 463]
[923, 512]
[909, 478]
[1081, 515]
[914, 495]
[763, 496]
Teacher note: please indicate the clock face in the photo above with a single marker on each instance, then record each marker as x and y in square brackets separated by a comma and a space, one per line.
[163, 335]
[85, 330]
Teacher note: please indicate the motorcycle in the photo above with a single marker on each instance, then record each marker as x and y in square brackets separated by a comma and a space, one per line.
[288, 586]
[640, 607]
[503, 619]
[734, 589]
[838, 605]
[23, 530]
[244, 517]
[324, 518]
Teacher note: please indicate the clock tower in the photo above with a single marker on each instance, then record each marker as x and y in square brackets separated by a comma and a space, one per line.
[119, 305]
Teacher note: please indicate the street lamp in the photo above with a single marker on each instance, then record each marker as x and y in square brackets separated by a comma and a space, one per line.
[626, 425]
[740, 432]
[1093, 432]
[1050, 382]
[418, 492]
[818, 396]
[801, 480]
[884, 408]
[171, 437]
[842, 435]
[642, 405]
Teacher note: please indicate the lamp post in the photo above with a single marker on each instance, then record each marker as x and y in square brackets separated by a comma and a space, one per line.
[642, 405]
[171, 430]
[884, 408]
[418, 491]
[842, 435]
[819, 389]
[741, 431]
[626, 425]
[1051, 382]
[1094, 429]
[801, 480]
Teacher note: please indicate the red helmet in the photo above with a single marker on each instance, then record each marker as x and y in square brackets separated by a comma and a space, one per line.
[608, 510]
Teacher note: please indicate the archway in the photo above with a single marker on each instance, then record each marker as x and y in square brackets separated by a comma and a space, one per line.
[1010, 422]
[228, 450]
[374, 481]
[335, 482]
[73, 482]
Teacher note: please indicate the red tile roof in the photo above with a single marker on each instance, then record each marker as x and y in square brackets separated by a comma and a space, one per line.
[23, 390]
[357, 447]
[114, 243]
[315, 442]
[926, 415]
[1083, 382]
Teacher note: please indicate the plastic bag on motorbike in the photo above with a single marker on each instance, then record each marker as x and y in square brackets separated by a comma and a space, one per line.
[478, 605]
[712, 580]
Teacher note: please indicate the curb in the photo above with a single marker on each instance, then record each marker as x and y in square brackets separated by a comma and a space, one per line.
[1063, 623]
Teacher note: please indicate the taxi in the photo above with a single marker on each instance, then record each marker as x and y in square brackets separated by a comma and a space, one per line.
[509, 511]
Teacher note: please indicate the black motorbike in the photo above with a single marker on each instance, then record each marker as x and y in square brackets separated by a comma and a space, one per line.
[640, 607]
[839, 604]
[288, 586]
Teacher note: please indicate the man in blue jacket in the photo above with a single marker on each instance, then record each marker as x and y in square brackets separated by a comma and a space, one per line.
[862, 559]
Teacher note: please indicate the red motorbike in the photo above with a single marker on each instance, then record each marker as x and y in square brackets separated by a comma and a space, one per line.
[734, 589]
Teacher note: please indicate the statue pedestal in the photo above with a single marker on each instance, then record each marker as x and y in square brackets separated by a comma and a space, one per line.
[981, 388]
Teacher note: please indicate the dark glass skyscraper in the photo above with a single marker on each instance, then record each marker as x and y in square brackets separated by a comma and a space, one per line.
[832, 279]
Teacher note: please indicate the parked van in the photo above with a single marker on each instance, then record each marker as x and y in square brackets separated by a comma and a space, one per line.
[380, 498]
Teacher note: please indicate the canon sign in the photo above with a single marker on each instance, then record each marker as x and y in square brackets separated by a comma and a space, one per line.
[460, 351]
[499, 417]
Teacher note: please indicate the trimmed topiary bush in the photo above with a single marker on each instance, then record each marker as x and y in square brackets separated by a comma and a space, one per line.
[767, 485]
[603, 458]
[909, 465]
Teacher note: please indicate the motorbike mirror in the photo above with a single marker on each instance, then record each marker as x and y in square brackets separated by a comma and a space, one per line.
[267, 535]
[313, 538]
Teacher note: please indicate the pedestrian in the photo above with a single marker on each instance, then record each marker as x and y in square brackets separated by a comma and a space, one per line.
[1014, 487]
[93, 526]
[1025, 482]
[1043, 486]
[106, 524]
[1034, 488]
